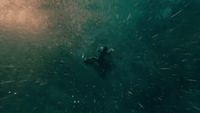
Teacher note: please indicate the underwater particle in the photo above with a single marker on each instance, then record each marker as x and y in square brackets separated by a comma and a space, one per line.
[6, 82]
[196, 108]
[191, 80]
[164, 68]
[76, 101]
[130, 92]
[160, 99]
[188, 54]
[155, 35]
[117, 16]
[177, 13]
[129, 17]
[9, 92]
[140, 38]
[7, 66]
[93, 86]
[94, 101]
[133, 111]
[141, 106]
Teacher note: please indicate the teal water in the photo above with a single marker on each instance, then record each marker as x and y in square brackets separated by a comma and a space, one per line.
[155, 63]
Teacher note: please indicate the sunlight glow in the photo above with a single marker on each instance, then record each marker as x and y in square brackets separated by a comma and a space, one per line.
[22, 15]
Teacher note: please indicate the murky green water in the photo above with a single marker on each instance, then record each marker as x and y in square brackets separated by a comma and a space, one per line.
[155, 63]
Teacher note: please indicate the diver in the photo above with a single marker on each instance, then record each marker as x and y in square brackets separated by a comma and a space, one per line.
[102, 63]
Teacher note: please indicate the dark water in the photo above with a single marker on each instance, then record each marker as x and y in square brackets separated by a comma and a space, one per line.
[156, 58]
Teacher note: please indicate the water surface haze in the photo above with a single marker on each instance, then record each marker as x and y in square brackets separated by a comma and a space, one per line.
[155, 60]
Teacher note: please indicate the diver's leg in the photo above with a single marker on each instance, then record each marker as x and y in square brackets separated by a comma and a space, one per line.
[102, 74]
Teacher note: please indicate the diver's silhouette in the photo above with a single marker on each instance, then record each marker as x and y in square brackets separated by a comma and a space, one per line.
[102, 63]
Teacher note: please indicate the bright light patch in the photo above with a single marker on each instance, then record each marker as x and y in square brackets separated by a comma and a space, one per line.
[22, 15]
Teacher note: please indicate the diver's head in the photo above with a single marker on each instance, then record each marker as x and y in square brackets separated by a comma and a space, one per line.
[105, 48]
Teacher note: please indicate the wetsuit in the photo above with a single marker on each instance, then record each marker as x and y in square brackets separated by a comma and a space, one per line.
[102, 62]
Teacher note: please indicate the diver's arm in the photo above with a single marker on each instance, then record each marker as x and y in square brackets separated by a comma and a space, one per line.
[90, 60]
